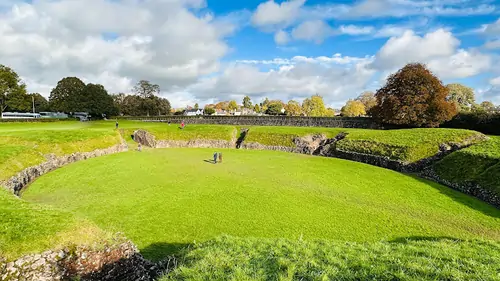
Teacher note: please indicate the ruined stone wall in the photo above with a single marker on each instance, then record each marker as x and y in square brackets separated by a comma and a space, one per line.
[120, 261]
[16, 183]
[296, 121]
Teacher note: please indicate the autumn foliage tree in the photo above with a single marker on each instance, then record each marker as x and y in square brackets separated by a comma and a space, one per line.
[353, 108]
[413, 96]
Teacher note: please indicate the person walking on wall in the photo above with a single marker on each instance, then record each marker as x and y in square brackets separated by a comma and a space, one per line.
[215, 158]
[220, 157]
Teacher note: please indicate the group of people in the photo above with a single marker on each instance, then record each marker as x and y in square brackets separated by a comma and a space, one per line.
[219, 155]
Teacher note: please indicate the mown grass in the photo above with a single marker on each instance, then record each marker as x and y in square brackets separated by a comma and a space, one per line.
[407, 145]
[230, 258]
[477, 164]
[165, 198]
[21, 148]
[30, 228]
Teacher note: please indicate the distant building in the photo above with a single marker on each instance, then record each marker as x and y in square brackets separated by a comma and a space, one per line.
[220, 112]
[193, 112]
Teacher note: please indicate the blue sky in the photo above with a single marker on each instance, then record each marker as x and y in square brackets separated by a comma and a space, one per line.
[206, 51]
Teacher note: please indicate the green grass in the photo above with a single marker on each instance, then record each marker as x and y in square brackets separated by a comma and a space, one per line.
[478, 164]
[31, 228]
[163, 131]
[27, 144]
[164, 199]
[229, 258]
[407, 145]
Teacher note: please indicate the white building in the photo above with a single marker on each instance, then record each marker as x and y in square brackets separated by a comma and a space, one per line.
[193, 112]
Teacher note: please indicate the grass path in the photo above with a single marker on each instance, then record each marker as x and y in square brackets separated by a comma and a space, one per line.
[165, 198]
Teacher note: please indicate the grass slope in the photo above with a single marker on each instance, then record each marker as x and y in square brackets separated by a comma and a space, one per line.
[406, 145]
[479, 164]
[164, 199]
[30, 228]
[229, 258]
[26, 144]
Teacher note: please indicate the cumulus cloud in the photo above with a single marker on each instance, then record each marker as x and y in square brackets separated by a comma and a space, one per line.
[271, 13]
[355, 30]
[281, 37]
[166, 42]
[410, 47]
[336, 78]
[315, 31]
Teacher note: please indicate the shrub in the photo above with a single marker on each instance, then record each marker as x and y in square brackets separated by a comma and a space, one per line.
[413, 96]
[487, 123]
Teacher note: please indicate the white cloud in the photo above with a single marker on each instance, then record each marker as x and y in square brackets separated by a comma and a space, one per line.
[161, 41]
[410, 47]
[398, 9]
[493, 28]
[315, 30]
[355, 30]
[336, 78]
[494, 44]
[271, 13]
[281, 37]
[462, 64]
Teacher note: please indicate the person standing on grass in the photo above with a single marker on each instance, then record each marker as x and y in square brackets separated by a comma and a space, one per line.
[215, 158]
[116, 125]
[220, 157]
[182, 124]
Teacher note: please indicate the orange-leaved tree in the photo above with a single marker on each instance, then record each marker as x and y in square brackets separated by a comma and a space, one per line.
[413, 96]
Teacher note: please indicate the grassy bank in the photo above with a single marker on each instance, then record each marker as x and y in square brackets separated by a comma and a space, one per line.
[31, 228]
[229, 258]
[406, 145]
[164, 199]
[27, 144]
[477, 164]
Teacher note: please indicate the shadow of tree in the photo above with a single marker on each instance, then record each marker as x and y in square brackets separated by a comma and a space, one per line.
[424, 238]
[159, 251]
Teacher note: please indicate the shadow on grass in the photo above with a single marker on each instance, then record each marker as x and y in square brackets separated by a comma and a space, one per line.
[424, 238]
[209, 161]
[159, 251]
[462, 198]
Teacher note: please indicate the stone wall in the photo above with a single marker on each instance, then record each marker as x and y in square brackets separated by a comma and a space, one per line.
[338, 122]
[18, 182]
[110, 261]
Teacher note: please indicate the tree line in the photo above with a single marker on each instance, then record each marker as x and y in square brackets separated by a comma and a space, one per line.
[72, 95]
[412, 96]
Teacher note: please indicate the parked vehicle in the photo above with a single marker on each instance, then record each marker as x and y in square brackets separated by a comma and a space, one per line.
[19, 115]
[57, 115]
[82, 116]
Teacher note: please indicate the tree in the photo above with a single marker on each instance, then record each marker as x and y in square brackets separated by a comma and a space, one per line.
[413, 96]
[223, 105]
[368, 99]
[196, 106]
[232, 105]
[208, 110]
[41, 103]
[10, 85]
[314, 106]
[145, 89]
[330, 112]
[67, 95]
[256, 108]
[353, 108]
[18, 101]
[119, 101]
[488, 106]
[247, 103]
[97, 101]
[274, 108]
[264, 104]
[293, 108]
[462, 96]
[131, 105]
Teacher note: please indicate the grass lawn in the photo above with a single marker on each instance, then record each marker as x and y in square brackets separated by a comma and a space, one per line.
[407, 145]
[230, 258]
[166, 198]
[32, 228]
[479, 163]
[26, 144]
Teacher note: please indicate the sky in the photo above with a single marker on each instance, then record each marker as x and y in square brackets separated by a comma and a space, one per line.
[205, 51]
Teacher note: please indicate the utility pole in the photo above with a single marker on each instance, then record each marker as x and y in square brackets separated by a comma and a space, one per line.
[33, 99]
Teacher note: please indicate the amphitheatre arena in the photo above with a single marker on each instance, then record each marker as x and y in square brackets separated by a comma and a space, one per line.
[345, 201]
